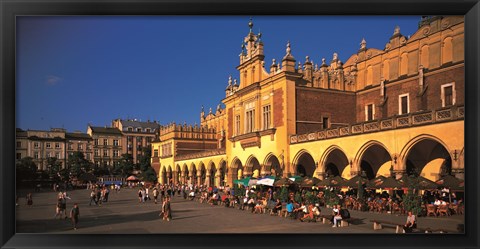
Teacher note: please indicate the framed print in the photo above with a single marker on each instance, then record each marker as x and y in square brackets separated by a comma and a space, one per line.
[273, 124]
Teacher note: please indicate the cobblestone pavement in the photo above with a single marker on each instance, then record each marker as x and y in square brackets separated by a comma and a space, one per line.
[122, 214]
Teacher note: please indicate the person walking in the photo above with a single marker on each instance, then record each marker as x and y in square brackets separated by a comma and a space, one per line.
[92, 198]
[29, 199]
[74, 213]
[155, 194]
[167, 210]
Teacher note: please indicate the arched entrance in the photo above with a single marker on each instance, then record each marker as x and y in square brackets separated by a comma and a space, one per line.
[336, 164]
[273, 167]
[193, 175]
[375, 161]
[185, 174]
[253, 167]
[428, 158]
[222, 172]
[212, 175]
[169, 175]
[203, 175]
[178, 175]
[164, 175]
[237, 169]
[305, 165]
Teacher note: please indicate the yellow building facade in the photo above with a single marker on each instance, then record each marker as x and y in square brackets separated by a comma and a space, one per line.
[382, 112]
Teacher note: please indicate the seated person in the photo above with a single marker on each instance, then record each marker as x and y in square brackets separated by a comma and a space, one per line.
[277, 207]
[316, 210]
[289, 208]
[302, 209]
[309, 215]
[251, 203]
[191, 195]
[411, 223]
[213, 199]
[336, 216]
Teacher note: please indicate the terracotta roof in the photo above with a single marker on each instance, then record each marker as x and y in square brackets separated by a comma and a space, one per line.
[109, 130]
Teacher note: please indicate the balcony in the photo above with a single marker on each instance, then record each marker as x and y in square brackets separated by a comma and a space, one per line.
[397, 122]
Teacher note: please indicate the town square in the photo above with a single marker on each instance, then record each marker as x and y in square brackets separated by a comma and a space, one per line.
[362, 140]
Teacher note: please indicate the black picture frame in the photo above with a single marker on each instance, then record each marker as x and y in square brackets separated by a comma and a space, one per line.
[12, 8]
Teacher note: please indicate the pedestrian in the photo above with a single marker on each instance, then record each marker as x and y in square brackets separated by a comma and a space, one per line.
[167, 209]
[155, 194]
[29, 199]
[92, 198]
[107, 192]
[140, 195]
[58, 208]
[74, 213]
[98, 196]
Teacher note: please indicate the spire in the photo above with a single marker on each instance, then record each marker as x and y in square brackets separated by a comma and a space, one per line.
[363, 44]
[250, 24]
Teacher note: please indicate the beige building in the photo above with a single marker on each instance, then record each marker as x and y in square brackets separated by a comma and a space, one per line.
[136, 135]
[384, 111]
[79, 142]
[107, 145]
[41, 145]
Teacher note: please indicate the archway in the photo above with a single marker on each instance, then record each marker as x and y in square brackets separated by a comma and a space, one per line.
[222, 173]
[375, 160]
[237, 169]
[336, 163]
[305, 165]
[428, 158]
[203, 174]
[193, 175]
[273, 167]
[253, 167]
[170, 175]
[178, 175]
[164, 175]
[185, 173]
[212, 171]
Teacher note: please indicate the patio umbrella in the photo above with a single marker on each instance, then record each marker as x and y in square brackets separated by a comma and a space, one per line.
[297, 179]
[268, 181]
[247, 181]
[423, 183]
[451, 182]
[284, 182]
[308, 181]
[353, 182]
[132, 178]
[336, 181]
[384, 183]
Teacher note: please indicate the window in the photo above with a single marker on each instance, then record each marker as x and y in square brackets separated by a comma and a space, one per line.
[19, 156]
[139, 129]
[88, 156]
[36, 145]
[237, 125]
[129, 139]
[325, 123]
[250, 119]
[36, 155]
[115, 153]
[448, 94]
[147, 130]
[266, 117]
[155, 153]
[19, 144]
[115, 142]
[57, 155]
[105, 152]
[69, 146]
[96, 152]
[57, 145]
[369, 112]
[95, 141]
[80, 146]
[48, 145]
[105, 141]
[49, 154]
[403, 104]
[89, 146]
[130, 129]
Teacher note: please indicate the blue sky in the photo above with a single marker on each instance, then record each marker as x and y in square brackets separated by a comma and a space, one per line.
[72, 71]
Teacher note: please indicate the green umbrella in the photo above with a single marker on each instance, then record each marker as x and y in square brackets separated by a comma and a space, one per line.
[423, 183]
[284, 182]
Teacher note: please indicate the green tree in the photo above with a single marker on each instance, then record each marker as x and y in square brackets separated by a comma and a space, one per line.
[412, 201]
[148, 173]
[125, 167]
[53, 168]
[77, 164]
[26, 170]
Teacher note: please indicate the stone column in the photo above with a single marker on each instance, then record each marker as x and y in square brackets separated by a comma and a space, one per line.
[199, 179]
[207, 180]
[192, 178]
